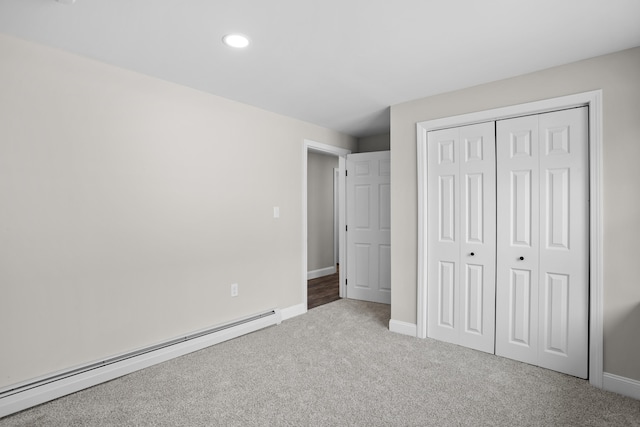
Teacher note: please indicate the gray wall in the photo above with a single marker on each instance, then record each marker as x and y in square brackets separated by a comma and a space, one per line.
[380, 142]
[320, 211]
[618, 77]
[129, 206]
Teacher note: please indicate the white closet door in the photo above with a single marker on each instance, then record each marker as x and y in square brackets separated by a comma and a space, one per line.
[478, 242]
[564, 242]
[443, 223]
[461, 227]
[517, 239]
[542, 256]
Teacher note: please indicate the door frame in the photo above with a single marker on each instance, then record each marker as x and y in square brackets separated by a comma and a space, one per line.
[593, 100]
[336, 215]
[310, 146]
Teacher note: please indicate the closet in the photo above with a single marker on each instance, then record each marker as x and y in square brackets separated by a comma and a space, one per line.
[508, 224]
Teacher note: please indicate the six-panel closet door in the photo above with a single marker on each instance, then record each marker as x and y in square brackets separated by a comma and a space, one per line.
[542, 273]
[523, 285]
[461, 223]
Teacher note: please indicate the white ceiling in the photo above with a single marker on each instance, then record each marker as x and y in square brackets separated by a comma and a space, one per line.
[336, 63]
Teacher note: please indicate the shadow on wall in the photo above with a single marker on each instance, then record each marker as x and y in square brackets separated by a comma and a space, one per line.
[371, 143]
[621, 328]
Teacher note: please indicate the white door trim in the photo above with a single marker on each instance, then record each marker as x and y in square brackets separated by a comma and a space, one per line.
[592, 99]
[341, 153]
[336, 216]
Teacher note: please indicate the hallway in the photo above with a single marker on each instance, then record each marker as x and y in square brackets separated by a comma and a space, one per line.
[323, 290]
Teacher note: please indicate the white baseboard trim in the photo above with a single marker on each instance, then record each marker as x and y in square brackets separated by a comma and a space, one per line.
[321, 272]
[293, 311]
[621, 385]
[403, 328]
[26, 397]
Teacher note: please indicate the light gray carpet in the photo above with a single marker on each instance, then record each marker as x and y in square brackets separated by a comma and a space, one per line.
[337, 365]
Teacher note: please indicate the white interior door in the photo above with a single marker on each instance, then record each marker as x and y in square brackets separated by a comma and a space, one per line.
[543, 256]
[369, 227]
[461, 225]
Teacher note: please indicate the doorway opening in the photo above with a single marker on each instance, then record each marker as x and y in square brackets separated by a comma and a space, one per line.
[319, 272]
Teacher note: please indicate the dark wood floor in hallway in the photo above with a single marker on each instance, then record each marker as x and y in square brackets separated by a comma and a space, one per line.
[323, 290]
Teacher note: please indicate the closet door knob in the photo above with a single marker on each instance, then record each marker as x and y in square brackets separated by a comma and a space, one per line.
[521, 258]
[472, 254]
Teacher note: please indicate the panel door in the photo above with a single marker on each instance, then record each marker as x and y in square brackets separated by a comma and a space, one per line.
[542, 258]
[443, 231]
[564, 242]
[478, 236]
[461, 230]
[517, 239]
[369, 227]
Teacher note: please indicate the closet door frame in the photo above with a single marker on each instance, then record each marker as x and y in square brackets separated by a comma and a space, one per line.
[593, 100]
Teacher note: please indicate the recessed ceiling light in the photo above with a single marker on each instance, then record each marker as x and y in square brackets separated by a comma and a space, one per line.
[236, 40]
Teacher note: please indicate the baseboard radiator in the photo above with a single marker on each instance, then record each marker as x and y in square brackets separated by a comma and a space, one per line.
[21, 396]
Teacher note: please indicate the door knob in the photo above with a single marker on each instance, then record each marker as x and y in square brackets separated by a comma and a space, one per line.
[521, 258]
[472, 254]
